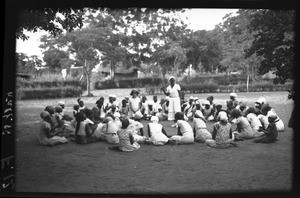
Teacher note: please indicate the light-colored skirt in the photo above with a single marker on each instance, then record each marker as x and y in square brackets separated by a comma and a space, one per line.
[186, 138]
[174, 106]
[202, 135]
[112, 138]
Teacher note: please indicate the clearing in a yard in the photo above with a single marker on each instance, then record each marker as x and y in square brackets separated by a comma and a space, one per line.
[195, 168]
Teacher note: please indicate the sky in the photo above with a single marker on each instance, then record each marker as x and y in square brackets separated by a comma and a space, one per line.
[198, 19]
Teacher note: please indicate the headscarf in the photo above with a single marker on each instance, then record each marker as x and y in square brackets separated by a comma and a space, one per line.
[223, 116]
[154, 119]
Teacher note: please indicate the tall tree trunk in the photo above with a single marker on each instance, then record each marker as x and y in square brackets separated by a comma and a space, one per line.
[112, 70]
[88, 79]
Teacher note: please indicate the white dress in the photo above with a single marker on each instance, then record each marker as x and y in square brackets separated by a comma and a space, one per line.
[135, 127]
[134, 105]
[254, 121]
[202, 134]
[157, 137]
[187, 133]
[112, 128]
[174, 101]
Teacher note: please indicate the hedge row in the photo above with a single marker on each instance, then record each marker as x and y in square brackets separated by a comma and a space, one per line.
[128, 83]
[50, 84]
[214, 88]
[45, 93]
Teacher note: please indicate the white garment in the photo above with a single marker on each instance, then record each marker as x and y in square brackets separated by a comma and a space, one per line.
[155, 106]
[187, 133]
[202, 134]
[157, 137]
[254, 121]
[174, 106]
[278, 122]
[134, 105]
[173, 91]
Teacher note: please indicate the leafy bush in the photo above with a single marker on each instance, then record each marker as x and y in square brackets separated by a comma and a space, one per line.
[129, 83]
[49, 84]
[45, 93]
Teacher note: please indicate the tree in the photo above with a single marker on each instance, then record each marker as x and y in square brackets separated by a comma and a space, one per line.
[56, 59]
[53, 20]
[274, 32]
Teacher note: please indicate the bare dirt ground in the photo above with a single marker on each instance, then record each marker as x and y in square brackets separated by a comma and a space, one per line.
[196, 168]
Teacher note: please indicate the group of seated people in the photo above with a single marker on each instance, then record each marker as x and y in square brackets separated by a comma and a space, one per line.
[119, 124]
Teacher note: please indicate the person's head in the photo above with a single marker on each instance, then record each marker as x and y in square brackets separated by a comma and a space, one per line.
[95, 111]
[80, 102]
[99, 103]
[232, 96]
[155, 98]
[206, 104]
[45, 116]
[222, 116]
[61, 103]
[134, 93]
[178, 116]
[198, 106]
[272, 118]
[259, 103]
[50, 109]
[235, 113]
[58, 109]
[265, 109]
[172, 80]
[124, 103]
[242, 106]
[191, 99]
[101, 99]
[162, 101]
[250, 110]
[76, 107]
[125, 123]
[210, 99]
[127, 98]
[144, 98]
[218, 107]
[154, 119]
[80, 117]
[229, 104]
[88, 113]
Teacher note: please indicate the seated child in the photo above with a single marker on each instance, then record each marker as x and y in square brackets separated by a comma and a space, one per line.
[271, 134]
[156, 132]
[155, 104]
[125, 136]
[243, 108]
[244, 130]
[100, 131]
[268, 111]
[201, 133]
[101, 108]
[144, 108]
[75, 109]
[253, 119]
[232, 97]
[221, 133]
[45, 136]
[218, 109]
[83, 133]
[137, 131]
[112, 128]
[64, 116]
[81, 104]
[124, 109]
[134, 104]
[208, 111]
[188, 110]
[185, 133]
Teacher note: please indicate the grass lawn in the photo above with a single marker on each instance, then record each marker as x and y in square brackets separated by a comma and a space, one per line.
[195, 168]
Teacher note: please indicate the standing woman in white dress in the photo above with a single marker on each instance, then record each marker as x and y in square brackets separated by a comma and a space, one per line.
[173, 91]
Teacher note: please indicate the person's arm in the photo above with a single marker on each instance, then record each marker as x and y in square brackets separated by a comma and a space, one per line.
[179, 132]
[164, 132]
[194, 131]
[149, 133]
[142, 131]
[165, 92]
[214, 133]
[131, 139]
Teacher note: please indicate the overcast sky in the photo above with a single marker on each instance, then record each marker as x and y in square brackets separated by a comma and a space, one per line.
[198, 19]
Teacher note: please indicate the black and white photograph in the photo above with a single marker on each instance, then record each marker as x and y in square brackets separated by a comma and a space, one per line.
[151, 101]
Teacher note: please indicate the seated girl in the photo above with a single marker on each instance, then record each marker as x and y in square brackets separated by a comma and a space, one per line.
[75, 109]
[201, 133]
[267, 111]
[126, 140]
[185, 133]
[137, 131]
[253, 119]
[156, 132]
[271, 134]
[83, 133]
[244, 130]
[45, 136]
[208, 111]
[112, 128]
[221, 133]
[124, 109]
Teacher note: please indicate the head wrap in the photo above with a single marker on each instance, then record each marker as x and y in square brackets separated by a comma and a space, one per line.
[233, 95]
[154, 119]
[222, 116]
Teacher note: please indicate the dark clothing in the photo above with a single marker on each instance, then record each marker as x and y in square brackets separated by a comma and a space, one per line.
[270, 135]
